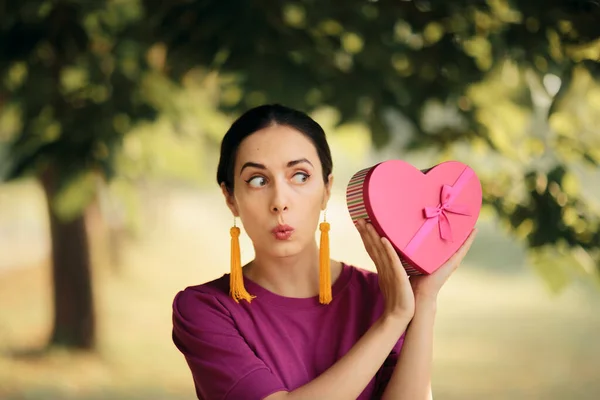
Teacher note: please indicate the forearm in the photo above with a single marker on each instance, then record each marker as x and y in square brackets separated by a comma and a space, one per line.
[349, 376]
[412, 374]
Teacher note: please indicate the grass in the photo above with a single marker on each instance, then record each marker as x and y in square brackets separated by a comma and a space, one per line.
[499, 334]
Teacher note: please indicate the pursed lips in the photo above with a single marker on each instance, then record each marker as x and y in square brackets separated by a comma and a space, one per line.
[282, 232]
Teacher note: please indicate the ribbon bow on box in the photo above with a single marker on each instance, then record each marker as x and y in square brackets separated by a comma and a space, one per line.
[446, 198]
[426, 214]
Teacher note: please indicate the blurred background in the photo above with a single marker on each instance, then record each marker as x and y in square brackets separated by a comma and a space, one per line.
[111, 116]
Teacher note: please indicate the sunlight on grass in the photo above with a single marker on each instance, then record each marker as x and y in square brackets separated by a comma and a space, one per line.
[499, 334]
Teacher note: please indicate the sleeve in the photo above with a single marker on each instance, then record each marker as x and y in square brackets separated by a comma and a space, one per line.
[222, 364]
[384, 374]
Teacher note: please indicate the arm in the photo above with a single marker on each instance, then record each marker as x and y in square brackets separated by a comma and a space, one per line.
[348, 377]
[412, 375]
[411, 378]
[224, 366]
[344, 380]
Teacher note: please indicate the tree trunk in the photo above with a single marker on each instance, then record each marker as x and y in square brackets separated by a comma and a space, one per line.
[74, 320]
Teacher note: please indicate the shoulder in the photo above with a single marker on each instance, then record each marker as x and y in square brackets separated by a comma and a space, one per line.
[363, 276]
[200, 302]
[362, 296]
[364, 281]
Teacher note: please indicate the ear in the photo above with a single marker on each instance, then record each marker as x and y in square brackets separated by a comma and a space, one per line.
[327, 192]
[229, 200]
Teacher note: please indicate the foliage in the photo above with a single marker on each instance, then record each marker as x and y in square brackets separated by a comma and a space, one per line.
[74, 71]
[504, 77]
[509, 85]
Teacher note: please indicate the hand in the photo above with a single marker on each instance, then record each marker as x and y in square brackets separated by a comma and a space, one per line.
[393, 280]
[428, 286]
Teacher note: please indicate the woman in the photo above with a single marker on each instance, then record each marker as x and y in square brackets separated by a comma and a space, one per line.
[274, 330]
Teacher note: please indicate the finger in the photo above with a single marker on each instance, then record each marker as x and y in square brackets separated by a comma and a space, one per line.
[464, 249]
[456, 259]
[372, 237]
[371, 244]
[393, 258]
[366, 239]
[377, 245]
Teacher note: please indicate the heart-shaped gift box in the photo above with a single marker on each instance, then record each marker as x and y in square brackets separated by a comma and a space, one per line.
[426, 214]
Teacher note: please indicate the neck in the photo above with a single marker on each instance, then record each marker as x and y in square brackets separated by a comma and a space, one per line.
[291, 276]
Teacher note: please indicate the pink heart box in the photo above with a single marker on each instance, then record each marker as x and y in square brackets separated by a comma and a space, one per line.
[426, 215]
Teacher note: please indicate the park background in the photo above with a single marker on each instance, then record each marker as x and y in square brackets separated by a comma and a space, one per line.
[111, 113]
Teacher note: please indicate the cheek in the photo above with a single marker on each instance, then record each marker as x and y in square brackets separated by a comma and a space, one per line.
[254, 211]
[310, 208]
[313, 196]
[250, 208]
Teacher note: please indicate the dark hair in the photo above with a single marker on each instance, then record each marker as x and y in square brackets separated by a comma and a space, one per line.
[261, 117]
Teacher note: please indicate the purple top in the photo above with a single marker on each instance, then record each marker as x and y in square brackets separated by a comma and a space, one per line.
[251, 350]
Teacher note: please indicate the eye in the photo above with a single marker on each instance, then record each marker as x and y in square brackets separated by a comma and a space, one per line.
[300, 177]
[257, 181]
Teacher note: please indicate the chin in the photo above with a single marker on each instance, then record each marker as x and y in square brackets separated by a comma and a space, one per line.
[284, 249]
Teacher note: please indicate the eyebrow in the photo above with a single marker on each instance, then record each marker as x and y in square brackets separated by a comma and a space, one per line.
[262, 166]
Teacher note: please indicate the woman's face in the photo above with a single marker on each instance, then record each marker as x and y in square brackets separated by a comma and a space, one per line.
[278, 190]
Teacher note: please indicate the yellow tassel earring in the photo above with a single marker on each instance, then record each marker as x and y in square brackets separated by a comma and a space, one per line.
[236, 278]
[325, 296]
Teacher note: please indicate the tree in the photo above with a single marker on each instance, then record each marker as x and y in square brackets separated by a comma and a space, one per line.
[372, 58]
[73, 72]
[76, 74]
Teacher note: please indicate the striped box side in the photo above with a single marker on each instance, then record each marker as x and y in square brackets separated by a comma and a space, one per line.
[354, 196]
[358, 210]
[410, 268]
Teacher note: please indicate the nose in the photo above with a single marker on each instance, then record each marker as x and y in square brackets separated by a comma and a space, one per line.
[276, 209]
[279, 202]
